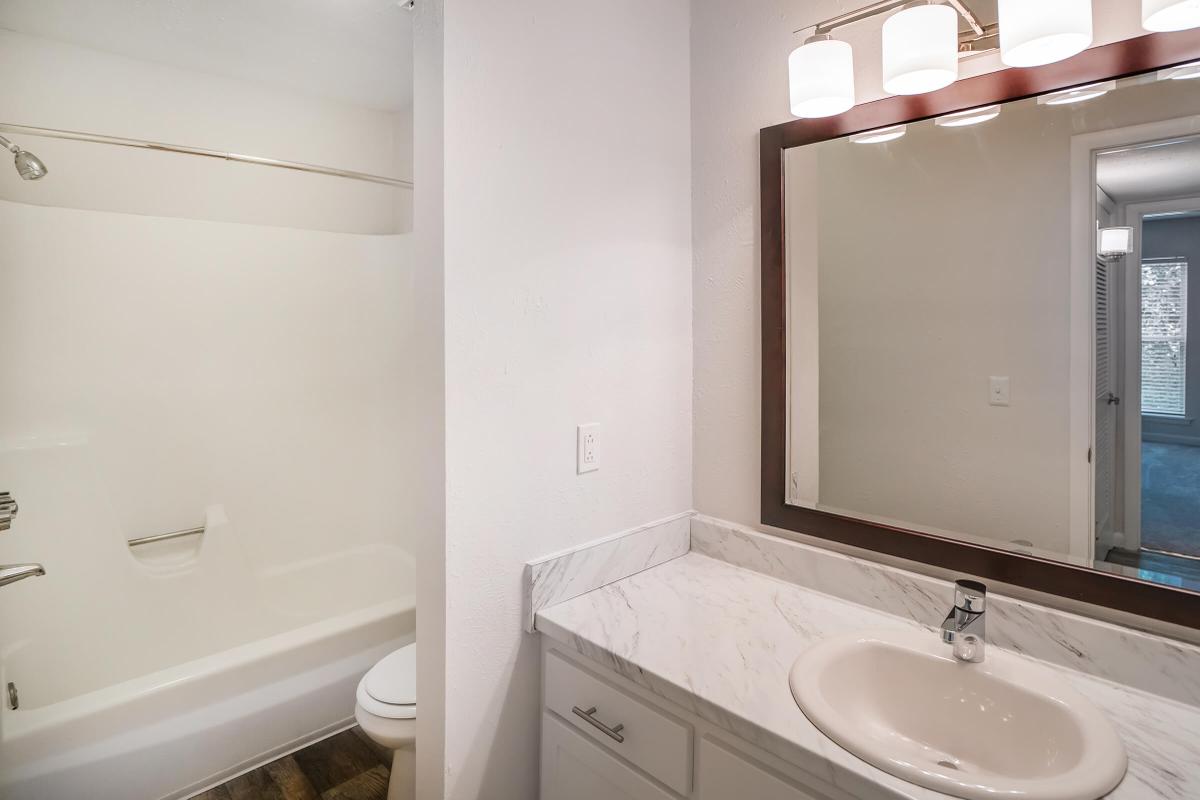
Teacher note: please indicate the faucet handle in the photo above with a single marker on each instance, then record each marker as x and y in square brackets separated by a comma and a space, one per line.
[970, 596]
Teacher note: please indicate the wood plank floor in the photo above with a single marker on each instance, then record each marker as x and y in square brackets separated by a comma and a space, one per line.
[343, 767]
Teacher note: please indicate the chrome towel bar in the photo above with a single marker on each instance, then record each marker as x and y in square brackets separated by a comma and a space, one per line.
[162, 537]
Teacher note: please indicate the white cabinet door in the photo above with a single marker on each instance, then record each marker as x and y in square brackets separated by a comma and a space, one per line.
[573, 768]
[725, 775]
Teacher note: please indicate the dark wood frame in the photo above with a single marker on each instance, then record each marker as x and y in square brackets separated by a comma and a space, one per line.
[1130, 57]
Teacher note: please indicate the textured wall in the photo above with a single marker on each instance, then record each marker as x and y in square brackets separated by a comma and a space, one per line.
[568, 300]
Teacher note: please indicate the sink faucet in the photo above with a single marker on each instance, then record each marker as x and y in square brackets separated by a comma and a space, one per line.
[965, 626]
[11, 573]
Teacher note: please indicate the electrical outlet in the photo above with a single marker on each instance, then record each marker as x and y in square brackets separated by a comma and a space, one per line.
[587, 448]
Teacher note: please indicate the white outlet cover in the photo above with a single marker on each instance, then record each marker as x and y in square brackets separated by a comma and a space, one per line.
[587, 448]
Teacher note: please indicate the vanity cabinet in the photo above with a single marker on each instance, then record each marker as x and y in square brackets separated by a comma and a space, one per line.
[605, 738]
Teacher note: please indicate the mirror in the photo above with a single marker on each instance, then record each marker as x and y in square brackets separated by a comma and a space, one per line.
[988, 319]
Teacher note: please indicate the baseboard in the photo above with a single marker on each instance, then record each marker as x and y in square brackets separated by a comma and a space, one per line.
[251, 764]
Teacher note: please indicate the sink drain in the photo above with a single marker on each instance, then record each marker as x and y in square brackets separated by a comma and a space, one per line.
[948, 764]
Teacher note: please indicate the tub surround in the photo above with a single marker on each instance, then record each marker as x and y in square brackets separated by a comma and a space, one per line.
[715, 631]
[555, 578]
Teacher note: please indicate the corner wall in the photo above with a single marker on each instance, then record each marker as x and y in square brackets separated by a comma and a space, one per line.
[568, 300]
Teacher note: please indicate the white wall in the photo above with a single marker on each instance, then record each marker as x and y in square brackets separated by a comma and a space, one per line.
[568, 300]
[739, 85]
[429, 395]
[57, 85]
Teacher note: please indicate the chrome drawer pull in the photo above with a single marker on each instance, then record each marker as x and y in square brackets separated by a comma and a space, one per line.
[612, 733]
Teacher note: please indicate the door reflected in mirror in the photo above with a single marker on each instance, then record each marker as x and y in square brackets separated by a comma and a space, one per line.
[988, 321]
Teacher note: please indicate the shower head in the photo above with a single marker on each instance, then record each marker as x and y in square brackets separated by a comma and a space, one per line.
[29, 166]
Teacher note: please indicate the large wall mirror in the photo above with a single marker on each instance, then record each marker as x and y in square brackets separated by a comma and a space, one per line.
[977, 307]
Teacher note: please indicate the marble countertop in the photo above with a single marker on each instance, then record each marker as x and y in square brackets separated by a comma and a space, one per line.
[719, 641]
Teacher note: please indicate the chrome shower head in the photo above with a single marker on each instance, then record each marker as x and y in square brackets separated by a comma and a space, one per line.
[29, 166]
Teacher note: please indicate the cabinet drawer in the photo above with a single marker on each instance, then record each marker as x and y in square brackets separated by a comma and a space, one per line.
[575, 769]
[647, 738]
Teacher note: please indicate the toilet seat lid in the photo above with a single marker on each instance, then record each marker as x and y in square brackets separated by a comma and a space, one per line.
[394, 679]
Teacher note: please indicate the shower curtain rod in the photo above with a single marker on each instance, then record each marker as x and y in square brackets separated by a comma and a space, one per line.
[145, 144]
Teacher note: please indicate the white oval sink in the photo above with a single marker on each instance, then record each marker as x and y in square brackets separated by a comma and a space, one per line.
[1004, 728]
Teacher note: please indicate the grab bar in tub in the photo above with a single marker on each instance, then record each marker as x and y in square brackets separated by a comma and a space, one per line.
[162, 537]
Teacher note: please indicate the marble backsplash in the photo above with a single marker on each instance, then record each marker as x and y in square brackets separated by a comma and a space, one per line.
[1155, 664]
[562, 576]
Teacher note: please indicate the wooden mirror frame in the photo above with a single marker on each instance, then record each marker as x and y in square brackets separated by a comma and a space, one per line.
[1107, 62]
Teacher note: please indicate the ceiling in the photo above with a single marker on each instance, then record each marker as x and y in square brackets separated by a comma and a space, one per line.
[1152, 172]
[353, 51]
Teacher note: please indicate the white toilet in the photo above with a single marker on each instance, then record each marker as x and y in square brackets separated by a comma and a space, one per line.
[386, 710]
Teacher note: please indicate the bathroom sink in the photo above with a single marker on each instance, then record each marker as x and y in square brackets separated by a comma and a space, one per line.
[1002, 728]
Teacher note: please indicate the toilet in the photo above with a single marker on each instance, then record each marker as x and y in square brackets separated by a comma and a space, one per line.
[386, 710]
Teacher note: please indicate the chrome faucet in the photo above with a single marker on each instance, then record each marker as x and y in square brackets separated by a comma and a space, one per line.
[11, 573]
[965, 627]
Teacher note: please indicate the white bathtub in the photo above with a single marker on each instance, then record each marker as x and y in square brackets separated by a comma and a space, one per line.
[173, 732]
[155, 672]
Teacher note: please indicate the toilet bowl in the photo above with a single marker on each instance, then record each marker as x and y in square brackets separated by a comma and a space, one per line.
[386, 710]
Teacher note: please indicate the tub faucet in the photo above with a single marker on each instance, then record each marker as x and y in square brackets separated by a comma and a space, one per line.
[11, 573]
[965, 627]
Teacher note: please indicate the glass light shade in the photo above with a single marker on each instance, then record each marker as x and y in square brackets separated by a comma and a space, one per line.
[920, 49]
[1170, 15]
[879, 135]
[821, 77]
[1184, 72]
[961, 119]
[1036, 32]
[1077, 95]
[1115, 241]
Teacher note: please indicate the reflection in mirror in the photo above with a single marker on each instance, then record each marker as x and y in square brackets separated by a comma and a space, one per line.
[988, 323]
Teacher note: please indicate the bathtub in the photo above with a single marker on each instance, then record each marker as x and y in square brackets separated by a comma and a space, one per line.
[176, 731]
[157, 671]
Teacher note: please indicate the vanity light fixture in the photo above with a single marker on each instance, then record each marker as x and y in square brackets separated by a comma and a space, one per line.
[821, 77]
[920, 48]
[1114, 243]
[1184, 72]
[1170, 15]
[920, 53]
[1077, 95]
[1036, 32]
[961, 119]
[880, 135]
